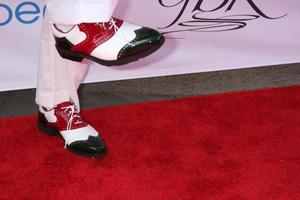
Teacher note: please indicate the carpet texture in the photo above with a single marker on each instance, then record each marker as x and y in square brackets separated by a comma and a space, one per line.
[235, 146]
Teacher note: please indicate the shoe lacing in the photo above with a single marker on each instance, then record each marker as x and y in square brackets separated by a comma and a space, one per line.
[113, 24]
[73, 115]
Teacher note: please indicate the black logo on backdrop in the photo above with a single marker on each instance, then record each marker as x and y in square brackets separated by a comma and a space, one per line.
[227, 22]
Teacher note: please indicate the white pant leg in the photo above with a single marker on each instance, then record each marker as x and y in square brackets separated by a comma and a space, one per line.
[78, 11]
[58, 78]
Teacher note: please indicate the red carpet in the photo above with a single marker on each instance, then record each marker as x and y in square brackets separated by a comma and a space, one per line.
[236, 146]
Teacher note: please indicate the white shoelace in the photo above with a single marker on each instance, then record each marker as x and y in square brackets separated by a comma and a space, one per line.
[113, 24]
[73, 114]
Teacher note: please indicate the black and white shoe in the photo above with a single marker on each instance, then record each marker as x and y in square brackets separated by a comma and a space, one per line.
[111, 43]
[80, 138]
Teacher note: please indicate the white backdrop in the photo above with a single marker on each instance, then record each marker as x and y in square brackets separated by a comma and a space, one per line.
[203, 35]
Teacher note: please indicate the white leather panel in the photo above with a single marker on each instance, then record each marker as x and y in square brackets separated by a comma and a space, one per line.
[75, 36]
[111, 48]
[49, 115]
[79, 134]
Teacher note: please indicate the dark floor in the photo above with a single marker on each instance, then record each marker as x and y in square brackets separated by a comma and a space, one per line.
[123, 92]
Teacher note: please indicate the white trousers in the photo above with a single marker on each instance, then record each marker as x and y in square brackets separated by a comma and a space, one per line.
[77, 11]
[58, 78]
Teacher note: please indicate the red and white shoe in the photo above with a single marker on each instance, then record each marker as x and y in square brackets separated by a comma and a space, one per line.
[111, 43]
[80, 138]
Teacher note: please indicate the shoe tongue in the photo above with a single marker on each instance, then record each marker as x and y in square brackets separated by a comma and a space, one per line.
[64, 104]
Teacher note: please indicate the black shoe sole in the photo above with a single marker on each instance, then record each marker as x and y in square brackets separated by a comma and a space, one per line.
[78, 57]
[89, 155]
[54, 132]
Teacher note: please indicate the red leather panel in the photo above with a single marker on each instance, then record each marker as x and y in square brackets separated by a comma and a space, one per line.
[96, 34]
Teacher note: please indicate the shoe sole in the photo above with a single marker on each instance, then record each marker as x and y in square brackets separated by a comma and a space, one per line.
[54, 132]
[78, 57]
